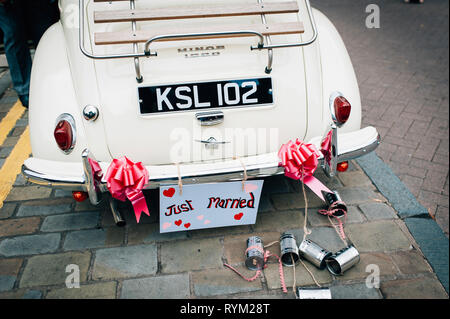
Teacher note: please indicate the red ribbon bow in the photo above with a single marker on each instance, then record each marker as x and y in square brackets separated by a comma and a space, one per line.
[96, 170]
[126, 179]
[299, 160]
[326, 146]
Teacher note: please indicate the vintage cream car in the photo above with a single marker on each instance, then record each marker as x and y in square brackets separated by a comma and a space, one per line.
[202, 88]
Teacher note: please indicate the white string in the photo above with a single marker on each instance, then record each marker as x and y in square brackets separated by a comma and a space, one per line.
[180, 183]
[245, 171]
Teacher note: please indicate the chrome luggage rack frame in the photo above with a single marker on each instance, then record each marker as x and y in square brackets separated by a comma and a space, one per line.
[147, 53]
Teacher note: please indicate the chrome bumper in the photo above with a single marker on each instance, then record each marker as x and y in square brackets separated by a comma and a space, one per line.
[79, 176]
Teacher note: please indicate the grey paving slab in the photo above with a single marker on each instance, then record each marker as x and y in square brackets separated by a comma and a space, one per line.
[378, 236]
[125, 262]
[215, 282]
[358, 195]
[29, 245]
[32, 294]
[62, 193]
[4, 151]
[104, 290]
[43, 209]
[5, 82]
[425, 287]
[386, 267]
[93, 238]
[376, 211]
[28, 193]
[148, 233]
[45, 270]
[7, 210]
[191, 254]
[22, 294]
[7, 282]
[70, 221]
[355, 291]
[20, 181]
[161, 287]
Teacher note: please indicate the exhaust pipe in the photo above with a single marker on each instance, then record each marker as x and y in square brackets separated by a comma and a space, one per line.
[118, 219]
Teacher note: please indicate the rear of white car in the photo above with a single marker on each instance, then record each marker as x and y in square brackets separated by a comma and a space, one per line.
[209, 102]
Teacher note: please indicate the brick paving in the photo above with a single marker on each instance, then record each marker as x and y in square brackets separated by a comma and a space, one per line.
[403, 74]
[37, 243]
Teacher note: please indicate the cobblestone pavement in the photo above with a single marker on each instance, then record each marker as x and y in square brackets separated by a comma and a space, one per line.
[42, 231]
[403, 73]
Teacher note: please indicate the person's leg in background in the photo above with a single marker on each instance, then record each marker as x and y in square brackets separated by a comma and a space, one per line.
[39, 16]
[16, 49]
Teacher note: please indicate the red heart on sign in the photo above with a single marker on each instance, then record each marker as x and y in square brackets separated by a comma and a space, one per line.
[169, 192]
[238, 216]
[187, 225]
[178, 222]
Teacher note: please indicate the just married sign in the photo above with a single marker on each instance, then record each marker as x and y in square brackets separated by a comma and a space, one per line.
[209, 205]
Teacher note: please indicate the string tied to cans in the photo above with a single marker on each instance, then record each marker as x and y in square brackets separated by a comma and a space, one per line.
[337, 210]
[256, 259]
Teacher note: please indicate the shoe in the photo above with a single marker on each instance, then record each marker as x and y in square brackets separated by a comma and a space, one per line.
[24, 100]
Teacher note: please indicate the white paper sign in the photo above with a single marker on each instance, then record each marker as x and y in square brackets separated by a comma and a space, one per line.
[209, 205]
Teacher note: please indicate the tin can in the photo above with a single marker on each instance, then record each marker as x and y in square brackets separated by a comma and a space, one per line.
[343, 260]
[288, 246]
[254, 255]
[314, 253]
[333, 197]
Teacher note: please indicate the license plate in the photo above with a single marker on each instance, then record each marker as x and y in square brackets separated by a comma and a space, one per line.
[205, 95]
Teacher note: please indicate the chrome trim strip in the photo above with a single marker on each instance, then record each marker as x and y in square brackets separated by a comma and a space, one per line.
[360, 152]
[330, 168]
[148, 53]
[265, 170]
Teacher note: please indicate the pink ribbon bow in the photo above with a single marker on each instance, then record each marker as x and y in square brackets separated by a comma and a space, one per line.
[300, 161]
[125, 180]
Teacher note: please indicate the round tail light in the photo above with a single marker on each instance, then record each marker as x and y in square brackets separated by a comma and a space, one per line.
[79, 196]
[340, 108]
[342, 167]
[64, 133]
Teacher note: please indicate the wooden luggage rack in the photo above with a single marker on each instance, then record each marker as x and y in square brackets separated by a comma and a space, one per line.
[263, 31]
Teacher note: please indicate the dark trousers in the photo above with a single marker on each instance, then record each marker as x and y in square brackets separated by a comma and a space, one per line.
[21, 20]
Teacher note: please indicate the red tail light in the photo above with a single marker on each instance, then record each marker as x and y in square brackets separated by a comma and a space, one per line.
[64, 132]
[80, 196]
[342, 109]
[342, 167]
